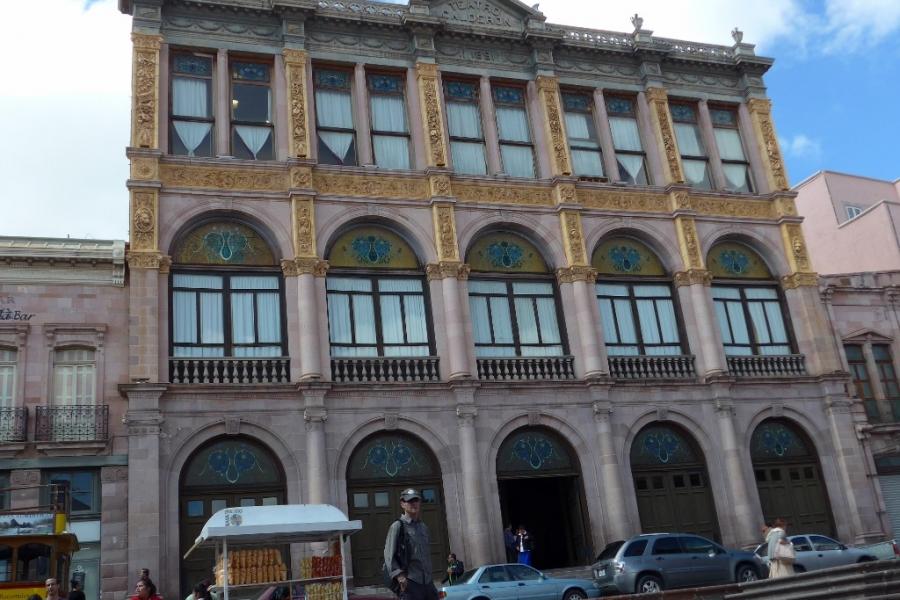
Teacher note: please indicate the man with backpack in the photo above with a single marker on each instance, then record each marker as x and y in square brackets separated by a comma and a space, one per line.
[407, 558]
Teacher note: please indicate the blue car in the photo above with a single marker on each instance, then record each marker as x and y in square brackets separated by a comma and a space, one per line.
[516, 582]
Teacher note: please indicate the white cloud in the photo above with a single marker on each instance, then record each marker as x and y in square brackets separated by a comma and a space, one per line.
[801, 146]
[853, 25]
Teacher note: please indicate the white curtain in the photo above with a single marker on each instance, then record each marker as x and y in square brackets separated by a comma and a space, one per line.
[254, 137]
[209, 282]
[647, 319]
[333, 109]
[668, 323]
[7, 377]
[268, 318]
[527, 321]
[481, 322]
[546, 308]
[776, 322]
[607, 321]
[339, 329]
[184, 322]
[364, 319]
[337, 142]
[211, 320]
[463, 120]
[190, 97]
[512, 124]
[391, 320]
[74, 376]
[468, 157]
[416, 323]
[354, 351]
[587, 163]
[391, 151]
[199, 351]
[243, 329]
[633, 164]
[688, 137]
[738, 323]
[501, 321]
[736, 177]
[625, 134]
[532, 288]
[518, 161]
[249, 282]
[729, 144]
[580, 127]
[695, 173]
[399, 285]
[627, 330]
[257, 351]
[406, 350]
[388, 113]
[191, 134]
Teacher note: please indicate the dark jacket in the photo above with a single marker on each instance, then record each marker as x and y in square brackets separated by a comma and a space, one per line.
[454, 570]
[523, 542]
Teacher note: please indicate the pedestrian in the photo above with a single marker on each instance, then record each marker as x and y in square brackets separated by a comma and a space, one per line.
[407, 550]
[200, 592]
[524, 545]
[780, 551]
[53, 592]
[509, 540]
[455, 568]
[145, 589]
[75, 592]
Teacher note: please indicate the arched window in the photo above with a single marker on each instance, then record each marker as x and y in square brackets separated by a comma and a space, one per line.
[512, 299]
[634, 294]
[747, 302]
[377, 303]
[227, 294]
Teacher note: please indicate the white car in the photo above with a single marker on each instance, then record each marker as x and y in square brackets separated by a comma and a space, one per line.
[816, 552]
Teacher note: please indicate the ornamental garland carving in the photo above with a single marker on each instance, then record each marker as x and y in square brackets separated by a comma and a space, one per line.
[221, 178]
[295, 67]
[371, 186]
[576, 273]
[732, 207]
[304, 227]
[301, 177]
[432, 120]
[440, 185]
[761, 110]
[144, 168]
[495, 194]
[690, 246]
[447, 269]
[143, 220]
[145, 85]
[793, 236]
[304, 266]
[660, 103]
[549, 89]
[693, 277]
[145, 260]
[623, 200]
[574, 238]
[445, 232]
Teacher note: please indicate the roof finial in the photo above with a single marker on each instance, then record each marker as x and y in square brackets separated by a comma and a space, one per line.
[637, 21]
[737, 35]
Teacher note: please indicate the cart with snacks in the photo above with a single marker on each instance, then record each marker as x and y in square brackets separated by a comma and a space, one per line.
[249, 561]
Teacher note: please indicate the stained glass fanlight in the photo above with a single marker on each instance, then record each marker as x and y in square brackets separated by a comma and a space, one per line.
[661, 445]
[392, 457]
[626, 256]
[372, 247]
[777, 440]
[732, 260]
[505, 252]
[533, 449]
[224, 243]
[232, 462]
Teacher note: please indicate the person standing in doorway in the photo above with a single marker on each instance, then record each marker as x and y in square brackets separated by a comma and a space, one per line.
[410, 569]
[524, 545]
[509, 540]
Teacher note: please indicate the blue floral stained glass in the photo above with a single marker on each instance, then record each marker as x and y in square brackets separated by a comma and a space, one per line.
[459, 90]
[250, 71]
[509, 95]
[192, 65]
[580, 102]
[734, 261]
[232, 462]
[682, 112]
[226, 245]
[625, 259]
[619, 105]
[387, 84]
[391, 457]
[505, 255]
[774, 440]
[532, 450]
[721, 116]
[333, 79]
[658, 445]
[372, 250]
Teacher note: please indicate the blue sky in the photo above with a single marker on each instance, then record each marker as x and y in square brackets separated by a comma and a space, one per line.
[65, 119]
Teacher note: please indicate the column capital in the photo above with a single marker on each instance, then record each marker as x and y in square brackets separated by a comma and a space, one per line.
[315, 417]
[304, 265]
[693, 277]
[602, 409]
[466, 414]
[576, 273]
[149, 260]
[445, 269]
[796, 280]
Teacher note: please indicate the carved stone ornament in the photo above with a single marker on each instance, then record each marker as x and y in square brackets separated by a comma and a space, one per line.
[732, 207]
[146, 260]
[371, 186]
[761, 114]
[232, 425]
[295, 72]
[145, 91]
[231, 178]
[143, 220]
[565, 193]
[576, 273]
[432, 120]
[659, 104]
[573, 236]
[617, 200]
[785, 207]
[391, 421]
[693, 277]
[144, 168]
[445, 232]
[303, 266]
[795, 246]
[165, 264]
[690, 245]
[304, 226]
[445, 269]
[440, 185]
[503, 194]
[301, 177]
[795, 280]
[553, 124]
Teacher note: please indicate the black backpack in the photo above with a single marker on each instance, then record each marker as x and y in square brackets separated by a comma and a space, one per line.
[401, 552]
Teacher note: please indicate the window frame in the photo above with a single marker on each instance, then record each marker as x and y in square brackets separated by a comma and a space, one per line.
[743, 285]
[96, 496]
[226, 273]
[857, 367]
[377, 132]
[523, 105]
[853, 211]
[5, 490]
[751, 185]
[476, 101]
[56, 398]
[887, 376]
[694, 106]
[173, 55]
[590, 111]
[627, 115]
[348, 71]
[13, 365]
[268, 84]
[630, 282]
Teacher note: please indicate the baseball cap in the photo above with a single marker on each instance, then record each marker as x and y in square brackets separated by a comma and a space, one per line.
[409, 494]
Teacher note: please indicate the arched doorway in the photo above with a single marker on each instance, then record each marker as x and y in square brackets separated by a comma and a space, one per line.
[671, 482]
[540, 486]
[225, 472]
[380, 468]
[789, 478]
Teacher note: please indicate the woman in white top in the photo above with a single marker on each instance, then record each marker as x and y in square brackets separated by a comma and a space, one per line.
[778, 567]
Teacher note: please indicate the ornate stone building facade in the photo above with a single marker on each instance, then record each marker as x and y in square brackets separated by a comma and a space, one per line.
[551, 275]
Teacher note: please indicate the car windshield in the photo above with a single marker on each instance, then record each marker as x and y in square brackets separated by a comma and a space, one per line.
[464, 578]
[610, 551]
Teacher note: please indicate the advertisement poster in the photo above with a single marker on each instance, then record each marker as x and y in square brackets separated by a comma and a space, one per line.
[26, 524]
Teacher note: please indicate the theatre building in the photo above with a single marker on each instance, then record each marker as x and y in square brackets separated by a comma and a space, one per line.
[550, 276]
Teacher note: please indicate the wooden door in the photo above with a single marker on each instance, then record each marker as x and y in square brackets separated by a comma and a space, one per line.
[795, 493]
[678, 500]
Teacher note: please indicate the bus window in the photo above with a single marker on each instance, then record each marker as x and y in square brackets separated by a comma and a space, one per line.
[5, 563]
[33, 562]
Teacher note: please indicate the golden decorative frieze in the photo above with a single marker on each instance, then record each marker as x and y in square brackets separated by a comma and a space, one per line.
[565, 193]
[298, 117]
[304, 219]
[246, 178]
[371, 186]
[785, 207]
[432, 118]
[761, 116]
[665, 134]
[148, 260]
[576, 273]
[145, 168]
[795, 248]
[144, 220]
[447, 269]
[145, 91]
[301, 177]
[503, 194]
[445, 232]
[681, 200]
[304, 266]
[693, 277]
[624, 200]
[440, 185]
[689, 243]
[795, 280]
[731, 207]
[573, 238]
[554, 127]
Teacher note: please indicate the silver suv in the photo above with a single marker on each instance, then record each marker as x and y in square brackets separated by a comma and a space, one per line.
[656, 561]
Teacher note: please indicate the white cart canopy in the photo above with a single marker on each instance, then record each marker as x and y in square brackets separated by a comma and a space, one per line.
[289, 523]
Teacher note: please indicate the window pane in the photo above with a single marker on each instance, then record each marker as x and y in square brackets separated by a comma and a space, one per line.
[406, 351]
[652, 291]
[391, 152]
[541, 351]
[512, 124]
[625, 134]
[647, 318]
[632, 168]
[382, 499]
[854, 353]
[184, 322]
[729, 143]
[481, 324]
[487, 287]
[333, 109]
[364, 319]
[251, 103]
[211, 321]
[881, 352]
[253, 283]
[339, 327]
[696, 173]
[546, 308]
[463, 120]
[388, 113]
[348, 284]
[726, 293]
[607, 321]
[587, 163]
[361, 500]
[724, 326]
[738, 323]
[668, 322]
[191, 97]
[755, 293]
[518, 161]
[737, 177]
[527, 320]
[502, 321]
[416, 320]
[336, 148]
[243, 327]
[545, 289]
[688, 137]
[758, 319]
[195, 508]
[391, 320]
[468, 157]
[776, 322]
[608, 289]
[211, 282]
[627, 331]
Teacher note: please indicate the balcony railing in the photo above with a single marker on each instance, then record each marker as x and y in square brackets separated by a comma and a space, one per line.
[385, 369]
[230, 370]
[523, 368]
[79, 423]
[784, 365]
[652, 367]
[13, 424]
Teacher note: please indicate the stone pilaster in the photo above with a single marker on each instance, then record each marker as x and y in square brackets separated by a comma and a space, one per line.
[114, 573]
[554, 126]
[298, 115]
[745, 513]
[664, 134]
[432, 115]
[761, 118]
[450, 273]
[315, 416]
[617, 525]
[145, 91]
[475, 523]
[305, 270]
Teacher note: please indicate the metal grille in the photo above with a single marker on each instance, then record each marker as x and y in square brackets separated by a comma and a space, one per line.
[13, 424]
[78, 423]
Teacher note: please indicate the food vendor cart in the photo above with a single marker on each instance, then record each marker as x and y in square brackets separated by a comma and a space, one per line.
[248, 563]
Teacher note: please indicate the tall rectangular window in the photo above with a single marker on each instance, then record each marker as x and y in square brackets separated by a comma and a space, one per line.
[8, 360]
[191, 131]
[377, 317]
[74, 377]
[693, 153]
[334, 117]
[516, 148]
[856, 360]
[514, 318]
[638, 319]
[751, 320]
[888, 375]
[251, 110]
[731, 150]
[464, 123]
[84, 490]
[390, 131]
[582, 133]
[630, 156]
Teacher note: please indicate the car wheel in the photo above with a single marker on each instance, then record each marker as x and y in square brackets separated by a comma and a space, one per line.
[575, 595]
[746, 574]
[799, 568]
[647, 584]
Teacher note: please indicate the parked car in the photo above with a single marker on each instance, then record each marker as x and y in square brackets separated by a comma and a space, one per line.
[658, 561]
[516, 582]
[818, 552]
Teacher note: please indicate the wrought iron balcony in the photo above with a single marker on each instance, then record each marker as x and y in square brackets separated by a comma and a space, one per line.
[652, 367]
[77, 423]
[385, 369]
[13, 424]
[230, 370]
[783, 365]
[524, 368]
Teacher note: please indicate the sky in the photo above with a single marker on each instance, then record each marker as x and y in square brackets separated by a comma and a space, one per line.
[64, 104]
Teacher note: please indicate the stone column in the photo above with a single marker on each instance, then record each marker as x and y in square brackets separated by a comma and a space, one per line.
[315, 415]
[664, 135]
[306, 270]
[745, 516]
[222, 109]
[604, 135]
[618, 526]
[489, 127]
[361, 108]
[761, 118]
[475, 522]
[114, 574]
